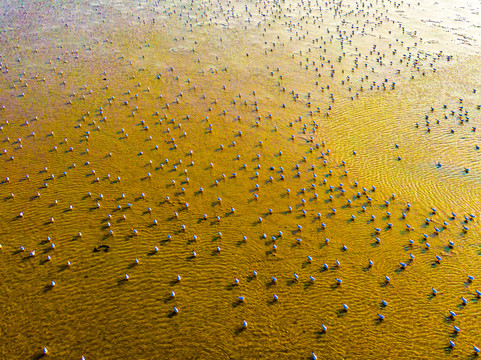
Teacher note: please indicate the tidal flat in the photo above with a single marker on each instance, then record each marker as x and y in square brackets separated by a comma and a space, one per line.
[240, 179]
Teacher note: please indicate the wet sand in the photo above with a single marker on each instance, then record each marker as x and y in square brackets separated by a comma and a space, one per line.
[217, 180]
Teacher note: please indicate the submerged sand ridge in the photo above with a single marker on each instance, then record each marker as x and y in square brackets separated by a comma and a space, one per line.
[248, 179]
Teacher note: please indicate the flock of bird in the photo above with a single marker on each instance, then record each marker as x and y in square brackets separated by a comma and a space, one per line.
[216, 135]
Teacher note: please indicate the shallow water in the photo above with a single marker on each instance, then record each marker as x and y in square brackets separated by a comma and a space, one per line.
[101, 105]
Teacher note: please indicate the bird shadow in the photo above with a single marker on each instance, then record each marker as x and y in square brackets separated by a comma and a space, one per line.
[240, 330]
[236, 303]
[449, 349]
[270, 284]
[121, 282]
[44, 261]
[62, 267]
[171, 314]
[307, 285]
[305, 263]
[39, 356]
[448, 319]
[291, 282]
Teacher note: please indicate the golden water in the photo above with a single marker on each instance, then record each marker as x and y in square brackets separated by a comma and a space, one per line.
[96, 96]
